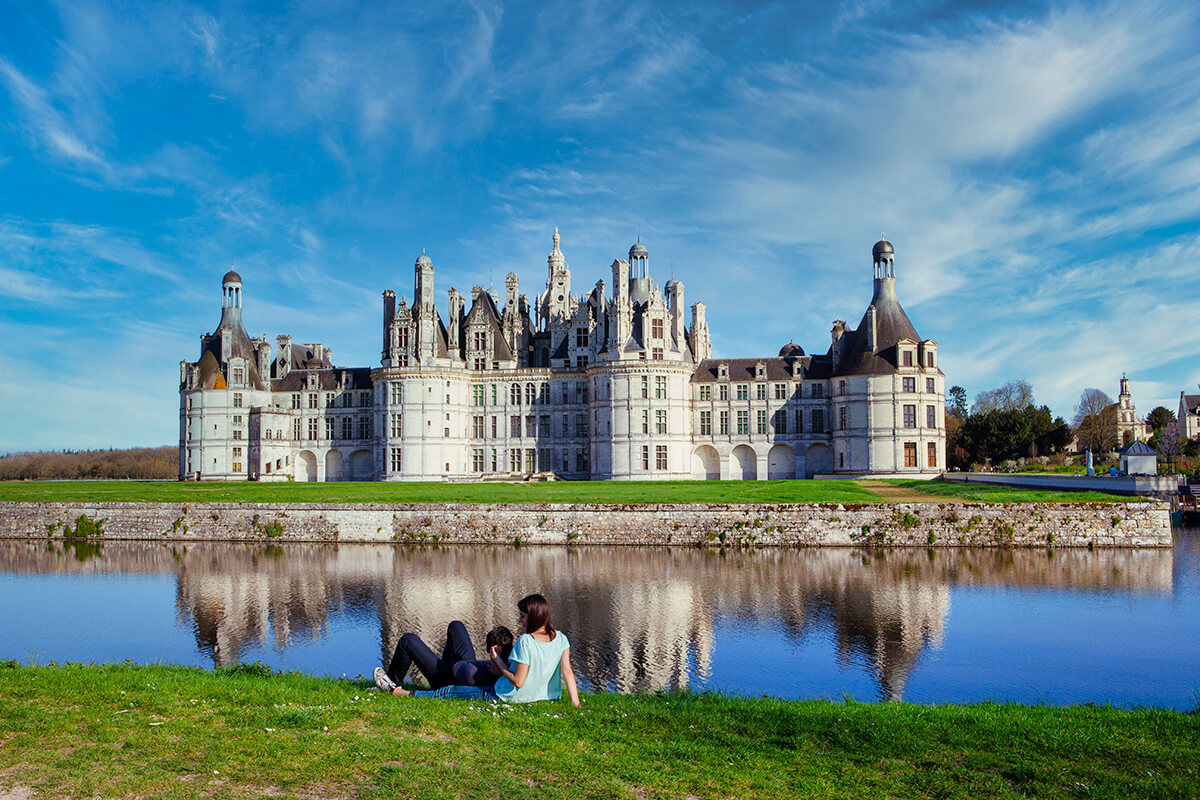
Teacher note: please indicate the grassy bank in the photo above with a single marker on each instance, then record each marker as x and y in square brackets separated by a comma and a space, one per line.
[837, 491]
[128, 731]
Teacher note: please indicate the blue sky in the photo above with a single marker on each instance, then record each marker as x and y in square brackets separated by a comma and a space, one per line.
[1037, 167]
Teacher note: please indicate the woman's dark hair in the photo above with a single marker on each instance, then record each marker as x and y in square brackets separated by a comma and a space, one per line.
[537, 614]
[501, 637]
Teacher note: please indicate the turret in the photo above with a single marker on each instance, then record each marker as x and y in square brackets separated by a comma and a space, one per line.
[424, 311]
[701, 344]
[454, 330]
[674, 290]
[639, 271]
[389, 313]
[231, 300]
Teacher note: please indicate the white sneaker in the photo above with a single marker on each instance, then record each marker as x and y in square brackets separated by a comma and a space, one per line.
[382, 680]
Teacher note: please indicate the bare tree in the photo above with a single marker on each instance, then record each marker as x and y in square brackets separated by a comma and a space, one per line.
[1012, 396]
[1096, 421]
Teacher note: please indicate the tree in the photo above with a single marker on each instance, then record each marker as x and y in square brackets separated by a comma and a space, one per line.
[1159, 419]
[956, 403]
[1096, 421]
[1012, 396]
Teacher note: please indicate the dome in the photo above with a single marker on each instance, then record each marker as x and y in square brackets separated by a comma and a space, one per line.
[638, 249]
[883, 247]
[231, 277]
[424, 261]
[791, 350]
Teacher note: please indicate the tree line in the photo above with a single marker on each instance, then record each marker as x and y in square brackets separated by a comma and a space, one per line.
[143, 463]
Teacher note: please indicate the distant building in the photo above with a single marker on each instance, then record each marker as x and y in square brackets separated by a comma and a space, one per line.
[611, 385]
[1130, 427]
[1187, 421]
[1139, 459]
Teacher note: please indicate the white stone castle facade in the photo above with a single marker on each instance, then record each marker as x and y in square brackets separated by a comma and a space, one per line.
[607, 385]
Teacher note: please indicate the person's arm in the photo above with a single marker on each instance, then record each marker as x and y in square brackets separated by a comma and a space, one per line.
[568, 677]
[517, 678]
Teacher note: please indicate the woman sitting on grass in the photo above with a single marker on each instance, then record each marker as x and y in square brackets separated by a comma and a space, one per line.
[541, 661]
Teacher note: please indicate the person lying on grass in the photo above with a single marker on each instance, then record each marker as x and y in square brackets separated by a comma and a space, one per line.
[541, 663]
[457, 664]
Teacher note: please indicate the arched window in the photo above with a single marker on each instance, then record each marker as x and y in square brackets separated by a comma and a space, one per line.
[514, 394]
[529, 394]
[544, 393]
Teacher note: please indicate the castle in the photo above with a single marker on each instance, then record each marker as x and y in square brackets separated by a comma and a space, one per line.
[602, 386]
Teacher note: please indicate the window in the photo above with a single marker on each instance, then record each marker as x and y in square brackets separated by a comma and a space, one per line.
[239, 376]
[660, 421]
[237, 399]
[799, 421]
[910, 454]
[237, 452]
[818, 390]
[476, 395]
[296, 428]
[645, 386]
[760, 391]
[842, 418]
[581, 362]
[929, 359]
[581, 337]
[295, 401]
[346, 428]
[781, 391]
[514, 427]
[656, 329]
[656, 354]
[494, 430]
[724, 423]
[495, 394]
[312, 427]
[543, 425]
[329, 427]
[910, 416]
[364, 427]
[781, 425]
[841, 387]
[477, 430]
[477, 459]
[312, 401]
[530, 394]
[706, 393]
[581, 392]
[743, 391]
[566, 394]
[581, 425]
[566, 462]
[723, 391]
[566, 421]
[760, 420]
[646, 456]
[479, 340]
[544, 460]
[818, 420]
[930, 387]
[495, 460]
[329, 400]
[364, 399]
[544, 399]
[237, 419]
[930, 416]
[531, 426]
[514, 394]
[743, 421]
[932, 454]
[909, 384]
[645, 421]
[705, 423]
[907, 356]
[581, 460]
[660, 457]
[514, 460]
[396, 462]
[237, 466]
[660, 387]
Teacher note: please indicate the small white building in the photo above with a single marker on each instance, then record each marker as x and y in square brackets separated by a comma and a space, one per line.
[1139, 459]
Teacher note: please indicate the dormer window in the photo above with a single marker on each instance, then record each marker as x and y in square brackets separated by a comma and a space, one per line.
[239, 376]
[907, 358]
[760, 371]
[656, 329]
[723, 371]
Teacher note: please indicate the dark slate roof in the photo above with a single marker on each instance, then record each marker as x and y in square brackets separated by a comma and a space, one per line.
[741, 370]
[1191, 402]
[1138, 448]
[891, 325]
[231, 277]
[791, 350]
[327, 379]
[239, 344]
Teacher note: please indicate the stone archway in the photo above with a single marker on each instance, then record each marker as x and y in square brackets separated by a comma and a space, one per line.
[818, 460]
[361, 465]
[743, 464]
[781, 463]
[706, 463]
[306, 466]
[333, 466]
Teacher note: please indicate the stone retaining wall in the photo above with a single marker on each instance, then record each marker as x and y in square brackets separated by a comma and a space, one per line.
[951, 524]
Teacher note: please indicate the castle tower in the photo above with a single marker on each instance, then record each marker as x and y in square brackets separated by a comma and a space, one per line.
[556, 304]
[424, 311]
[639, 272]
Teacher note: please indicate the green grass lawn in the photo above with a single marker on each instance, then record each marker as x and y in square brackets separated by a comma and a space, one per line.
[834, 491]
[988, 493]
[129, 731]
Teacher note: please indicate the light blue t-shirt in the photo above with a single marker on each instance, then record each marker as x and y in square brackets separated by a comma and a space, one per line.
[544, 681]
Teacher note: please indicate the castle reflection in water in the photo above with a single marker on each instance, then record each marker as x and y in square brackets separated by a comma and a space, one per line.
[639, 619]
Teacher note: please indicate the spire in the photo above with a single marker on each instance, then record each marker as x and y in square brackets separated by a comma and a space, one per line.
[556, 240]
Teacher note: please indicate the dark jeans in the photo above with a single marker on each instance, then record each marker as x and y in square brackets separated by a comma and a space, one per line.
[457, 663]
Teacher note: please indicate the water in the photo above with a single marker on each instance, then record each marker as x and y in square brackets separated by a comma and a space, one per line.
[1060, 627]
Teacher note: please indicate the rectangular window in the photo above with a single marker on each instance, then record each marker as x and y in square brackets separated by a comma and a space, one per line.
[495, 396]
[760, 420]
[237, 466]
[544, 425]
[706, 423]
[842, 418]
[932, 454]
[929, 386]
[818, 420]
[910, 454]
[364, 399]
[477, 459]
[706, 393]
[477, 429]
[514, 427]
[476, 395]
[909, 384]
[239, 376]
[581, 425]
[656, 329]
[494, 424]
[645, 421]
[531, 460]
[514, 460]
[329, 400]
[581, 392]
[645, 456]
[237, 452]
[841, 387]
[237, 399]
[781, 425]
[296, 428]
[660, 387]
[312, 427]
[581, 461]
[346, 426]
[660, 421]
[645, 386]
[724, 423]
[908, 363]
[397, 389]
[531, 426]
[566, 462]
[660, 457]
[566, 420]
[295, 401]
[544, 460]
[656, 354]
[581, 362]
[818, 390]
[495, 460]
[723, 391]
[930, 416]
[566, 393]
[364, 427]
[743, 421]
[743, 391]
[910, 416]
[799, 421]
[396, 462]
[760, 391]
[312, 401]
[781, 391]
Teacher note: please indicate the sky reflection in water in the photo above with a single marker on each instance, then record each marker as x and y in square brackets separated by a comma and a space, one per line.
[945, 626]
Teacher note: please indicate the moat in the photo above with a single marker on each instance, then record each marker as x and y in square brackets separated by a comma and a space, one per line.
[958, 625]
